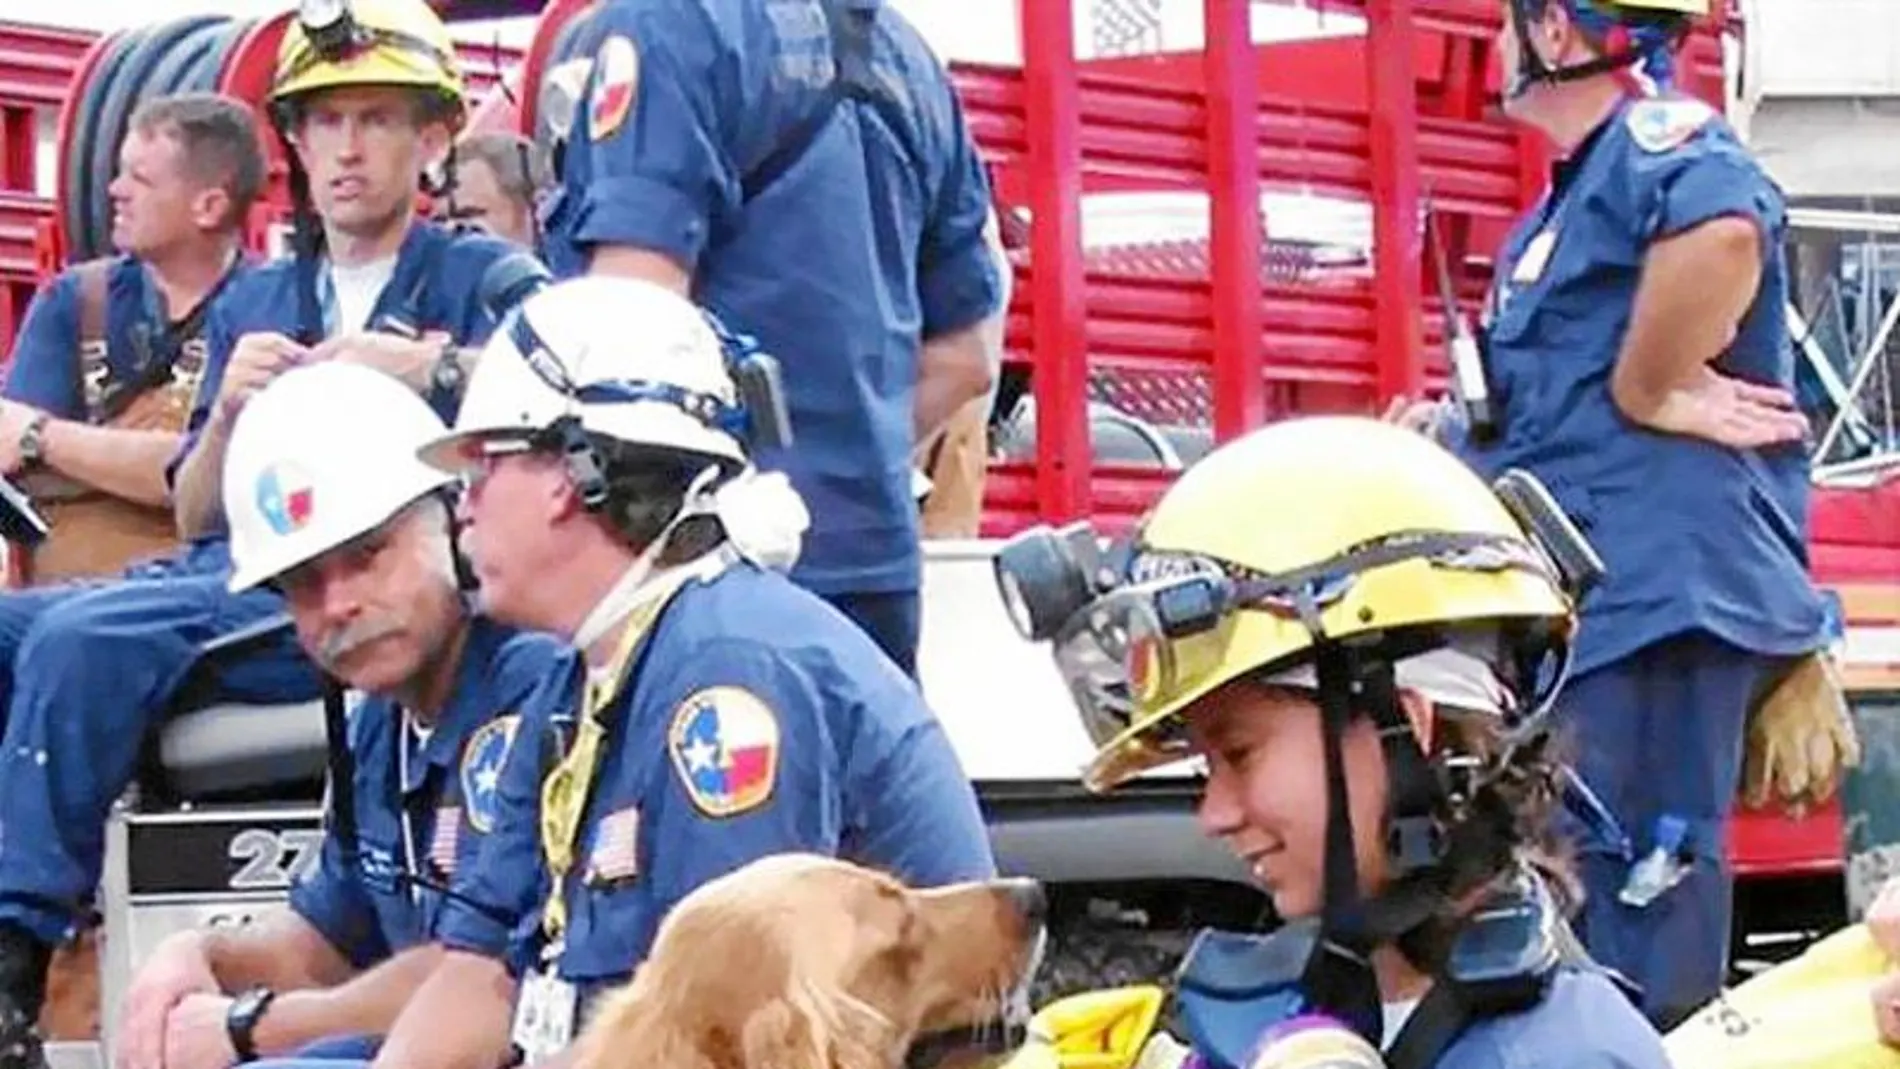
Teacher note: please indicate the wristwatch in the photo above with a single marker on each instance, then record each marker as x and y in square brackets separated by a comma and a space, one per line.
[447, 376]
[33, 440]
[240, 1022]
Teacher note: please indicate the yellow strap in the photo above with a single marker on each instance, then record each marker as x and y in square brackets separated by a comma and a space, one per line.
[565, 790]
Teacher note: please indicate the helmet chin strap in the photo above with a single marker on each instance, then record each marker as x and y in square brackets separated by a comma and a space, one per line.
[1533, 70]
[630, 589]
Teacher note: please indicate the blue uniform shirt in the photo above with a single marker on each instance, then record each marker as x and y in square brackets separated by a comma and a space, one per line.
[423, 807]
[142, 343]
[1695, 536]
[869, 241]
[435, 286]
[1583, 1022]
[759, 721]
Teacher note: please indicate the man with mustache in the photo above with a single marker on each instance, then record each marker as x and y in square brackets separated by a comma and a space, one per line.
[366, 115]
[368, 569]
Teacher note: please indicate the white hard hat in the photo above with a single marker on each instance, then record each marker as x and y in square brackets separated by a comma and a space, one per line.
[631, 360]
[323, 454]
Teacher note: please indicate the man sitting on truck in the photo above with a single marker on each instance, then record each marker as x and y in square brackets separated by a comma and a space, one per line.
[373, 585]
[110, 352]
[366, 113]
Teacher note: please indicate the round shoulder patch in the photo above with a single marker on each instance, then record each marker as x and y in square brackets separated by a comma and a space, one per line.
[482, 758]
[725, 747]
[1663, 124]
[616, 80]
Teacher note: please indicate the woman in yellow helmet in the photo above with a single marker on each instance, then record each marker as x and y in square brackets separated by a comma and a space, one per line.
[1359, 639]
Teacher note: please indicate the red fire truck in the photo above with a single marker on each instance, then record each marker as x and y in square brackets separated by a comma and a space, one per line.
[1126, 360]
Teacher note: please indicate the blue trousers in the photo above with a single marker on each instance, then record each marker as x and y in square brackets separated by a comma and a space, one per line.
[891, 619]
[1661, 732]
[89, 671]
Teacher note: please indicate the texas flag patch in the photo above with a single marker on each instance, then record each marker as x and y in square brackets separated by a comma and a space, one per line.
[616, 80]
[285, 498]
[725, 747]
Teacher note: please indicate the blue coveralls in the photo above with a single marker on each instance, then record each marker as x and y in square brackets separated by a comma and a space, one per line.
[142, 342]
[838, 258]
[1707, 592]
[48, 372]
[422, 808]
[74, 732]
[758, 721]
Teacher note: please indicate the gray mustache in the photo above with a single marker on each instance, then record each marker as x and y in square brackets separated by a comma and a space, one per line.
[341, 644]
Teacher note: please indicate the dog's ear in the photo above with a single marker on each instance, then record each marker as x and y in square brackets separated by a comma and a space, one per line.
[805, 1028]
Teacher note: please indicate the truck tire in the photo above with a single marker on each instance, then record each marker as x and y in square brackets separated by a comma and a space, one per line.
[202, 77]
[176, 72]
[1110, 935]
[1085, 956]
[75, 199]
[121, 96]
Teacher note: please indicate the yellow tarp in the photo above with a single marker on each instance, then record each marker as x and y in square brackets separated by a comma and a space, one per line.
[1812, 1012]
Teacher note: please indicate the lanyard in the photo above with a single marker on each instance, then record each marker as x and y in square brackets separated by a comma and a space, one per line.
[408, 735]
[564, 792]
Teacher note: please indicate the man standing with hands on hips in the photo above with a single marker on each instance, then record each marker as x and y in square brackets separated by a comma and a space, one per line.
[1636, 360]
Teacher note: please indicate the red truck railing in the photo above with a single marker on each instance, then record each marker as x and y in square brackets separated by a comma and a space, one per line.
[1389, 118]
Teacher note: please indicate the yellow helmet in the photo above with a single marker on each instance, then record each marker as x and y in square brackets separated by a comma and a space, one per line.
[1308, 530]
[368, 42]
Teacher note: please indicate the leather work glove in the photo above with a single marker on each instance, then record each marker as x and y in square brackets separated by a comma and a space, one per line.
[1801, 737]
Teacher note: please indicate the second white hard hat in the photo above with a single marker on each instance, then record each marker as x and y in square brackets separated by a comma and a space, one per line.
[630, 360]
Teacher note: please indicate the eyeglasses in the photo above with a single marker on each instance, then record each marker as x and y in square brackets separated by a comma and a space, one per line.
[480, 457]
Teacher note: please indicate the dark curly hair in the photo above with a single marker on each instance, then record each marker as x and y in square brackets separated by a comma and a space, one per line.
[646, 486]
[1507, 823]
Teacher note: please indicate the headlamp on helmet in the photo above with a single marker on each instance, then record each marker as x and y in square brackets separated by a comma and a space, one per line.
[331, 28]
[1136, 630]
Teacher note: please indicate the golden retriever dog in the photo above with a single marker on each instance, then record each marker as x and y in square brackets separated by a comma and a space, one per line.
[798, 961]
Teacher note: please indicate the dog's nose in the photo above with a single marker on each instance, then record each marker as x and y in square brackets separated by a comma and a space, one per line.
[1026, 895]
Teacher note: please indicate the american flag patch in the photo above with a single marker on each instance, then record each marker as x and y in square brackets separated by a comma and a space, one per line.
[447, 836]
[616, 853]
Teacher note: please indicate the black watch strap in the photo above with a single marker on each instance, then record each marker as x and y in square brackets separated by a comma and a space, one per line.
[240, 1023]
[447, 376]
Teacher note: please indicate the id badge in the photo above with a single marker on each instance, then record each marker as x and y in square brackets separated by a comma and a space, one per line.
[544, 1016]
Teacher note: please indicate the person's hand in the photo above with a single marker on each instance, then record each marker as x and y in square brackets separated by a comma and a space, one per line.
[196, 1036]
[257, 359]
[1729, 412]
[1423, 416]
[14, 417]
[1883, 918]
[410, 361]
[1886, 999]
[176, 969]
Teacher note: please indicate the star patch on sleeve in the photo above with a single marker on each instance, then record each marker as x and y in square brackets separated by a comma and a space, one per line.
[725, 747]
[482, 758]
